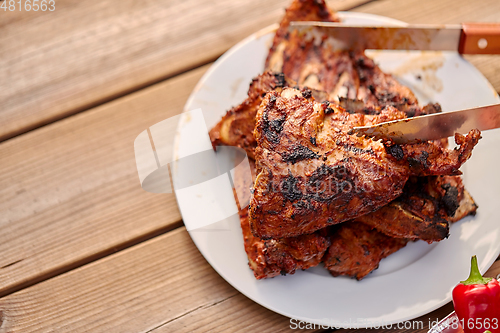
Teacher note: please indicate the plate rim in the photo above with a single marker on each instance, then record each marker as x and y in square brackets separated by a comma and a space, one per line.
[201, 82]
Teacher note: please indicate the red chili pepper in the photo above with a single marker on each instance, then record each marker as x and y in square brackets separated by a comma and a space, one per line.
[477, 302]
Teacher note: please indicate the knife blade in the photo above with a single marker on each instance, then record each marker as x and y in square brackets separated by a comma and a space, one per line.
[434, 126]
[449, 324]
[466, 38]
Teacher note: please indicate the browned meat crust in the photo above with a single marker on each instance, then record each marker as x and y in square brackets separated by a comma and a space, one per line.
[269, 258]
[429, 158]
[299, 10]
[237, 126]
[311, 174]
[380, 89]
[424, 210]
[427, 203]
[315, 64]
[357, 249]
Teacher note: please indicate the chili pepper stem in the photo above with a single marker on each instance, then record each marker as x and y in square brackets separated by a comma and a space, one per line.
[475, 276]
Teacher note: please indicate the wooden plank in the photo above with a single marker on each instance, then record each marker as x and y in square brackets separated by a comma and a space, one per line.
[69, 192]
[345, 5]
[56, 63]
[445, 12]
[162, 285]
[424, 323]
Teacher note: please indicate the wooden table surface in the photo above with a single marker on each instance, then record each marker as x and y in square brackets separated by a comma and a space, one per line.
[82, 247]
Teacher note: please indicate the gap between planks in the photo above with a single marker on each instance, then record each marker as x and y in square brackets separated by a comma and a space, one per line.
[49, 105]
[161, 285]
[80, 263]
[132, 47]
[102, 252]
[12, 279]
[70, 194]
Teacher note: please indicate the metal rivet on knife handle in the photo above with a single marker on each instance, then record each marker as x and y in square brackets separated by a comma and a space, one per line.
[480, 38]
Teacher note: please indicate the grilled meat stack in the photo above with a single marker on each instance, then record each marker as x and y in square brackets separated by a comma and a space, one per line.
[320, 194]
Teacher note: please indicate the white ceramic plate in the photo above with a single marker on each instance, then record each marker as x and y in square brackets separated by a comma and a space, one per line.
[409, 283]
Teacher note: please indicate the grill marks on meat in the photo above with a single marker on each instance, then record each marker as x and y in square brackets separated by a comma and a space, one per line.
[299, 10]
[236, 127]
[380, 89]
[312, 61]
[424, 210]
[357, 250]
[357, 83]
[269, 258]
[272, 257]
[428, 158]
[299, 153]
[444, 196]
[411, 216]
[356, 175]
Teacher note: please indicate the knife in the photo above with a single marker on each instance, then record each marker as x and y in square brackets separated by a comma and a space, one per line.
[434, 126]
[466, 38]
[449, 324]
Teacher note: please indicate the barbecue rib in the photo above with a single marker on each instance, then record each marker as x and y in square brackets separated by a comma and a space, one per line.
[407, 217]
[237, 125]
[299, 10]
[312, 62]
[356, 83]
[424, 210]
[357, 249]
[312, 174]
[269, 258]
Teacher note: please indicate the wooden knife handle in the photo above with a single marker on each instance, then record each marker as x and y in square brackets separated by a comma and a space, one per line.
[480, 38]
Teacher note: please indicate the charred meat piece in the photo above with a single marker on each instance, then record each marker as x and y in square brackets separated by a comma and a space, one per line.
[299, 10]
[313, 61]
[428, 158]
[403, 218]
[436, 200]
[312, 174]
[357, 249]
[396, 221]
[424, 210]
[236, 127]
[380, 89]
[309, 63]
[360, 84]
[269, 258]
